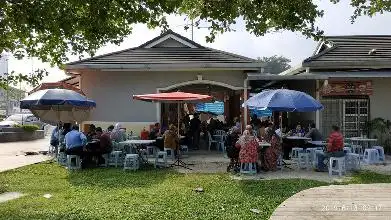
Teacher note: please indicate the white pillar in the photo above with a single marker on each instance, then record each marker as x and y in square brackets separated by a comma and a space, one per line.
[317, 113]
[245, 94]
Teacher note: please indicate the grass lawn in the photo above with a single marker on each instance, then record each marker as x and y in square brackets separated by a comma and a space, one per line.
[146, 194]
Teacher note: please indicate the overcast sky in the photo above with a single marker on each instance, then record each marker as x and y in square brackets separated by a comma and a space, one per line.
[291, 45]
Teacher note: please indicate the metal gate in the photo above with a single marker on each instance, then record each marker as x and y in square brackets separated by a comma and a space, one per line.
[350, 114]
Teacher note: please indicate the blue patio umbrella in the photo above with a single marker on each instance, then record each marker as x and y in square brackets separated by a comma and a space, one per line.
[283, 100]
[54, 105]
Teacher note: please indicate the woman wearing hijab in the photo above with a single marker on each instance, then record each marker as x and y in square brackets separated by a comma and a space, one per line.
[248, 145]
[271, 153]
[118, 135]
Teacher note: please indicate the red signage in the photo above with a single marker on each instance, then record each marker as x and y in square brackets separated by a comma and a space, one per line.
[335, 88]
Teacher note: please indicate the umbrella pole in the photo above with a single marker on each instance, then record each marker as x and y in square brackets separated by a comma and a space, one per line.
[178, 118]
[178, 161]
[283, 162]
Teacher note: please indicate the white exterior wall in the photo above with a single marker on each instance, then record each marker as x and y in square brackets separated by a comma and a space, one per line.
[380, 101]
[113, 91]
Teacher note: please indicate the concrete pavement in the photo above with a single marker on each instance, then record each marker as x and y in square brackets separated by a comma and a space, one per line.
[12, 155]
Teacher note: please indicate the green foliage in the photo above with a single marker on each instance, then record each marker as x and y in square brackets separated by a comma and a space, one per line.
[51, 29]
[28, 128]
[381, 129]
[275, 64]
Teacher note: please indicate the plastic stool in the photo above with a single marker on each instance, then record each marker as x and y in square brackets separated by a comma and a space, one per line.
[347, 150]
[280, 162]
[62, 159]
[295, 153]
[248, 168]
[357, 149]
[315, 161]
[352, 161]
[115, 158]
[144, 154]
[106, 158]
[151, 151]
[371, 156]
[73, 162]
[161, 159]
[303, 161]
[131, 162]
[311, 153]
[339, 166]
[184, 149]
[381, 153]
[170, 153]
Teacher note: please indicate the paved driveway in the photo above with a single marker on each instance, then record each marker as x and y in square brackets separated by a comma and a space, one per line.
[355, 201]
[12, 155]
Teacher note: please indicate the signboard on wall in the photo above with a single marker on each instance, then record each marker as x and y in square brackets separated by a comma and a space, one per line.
[343, 88]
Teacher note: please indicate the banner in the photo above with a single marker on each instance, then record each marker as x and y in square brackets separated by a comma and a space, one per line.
[341, 88]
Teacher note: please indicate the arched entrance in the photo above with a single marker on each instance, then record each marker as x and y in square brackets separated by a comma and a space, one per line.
[223, 92]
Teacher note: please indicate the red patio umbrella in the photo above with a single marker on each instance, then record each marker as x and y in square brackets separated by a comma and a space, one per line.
[175, 97]
[57, 85]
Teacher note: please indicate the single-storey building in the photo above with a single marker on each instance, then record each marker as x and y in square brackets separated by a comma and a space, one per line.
[350, 75]
[169, 62]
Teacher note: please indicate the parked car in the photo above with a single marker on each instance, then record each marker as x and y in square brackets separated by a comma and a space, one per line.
[22, 119]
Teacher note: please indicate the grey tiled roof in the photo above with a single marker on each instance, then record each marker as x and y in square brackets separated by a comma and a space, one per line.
[161, 56]
[355, 51]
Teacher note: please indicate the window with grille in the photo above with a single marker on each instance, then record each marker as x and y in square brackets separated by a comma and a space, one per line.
[351, 115]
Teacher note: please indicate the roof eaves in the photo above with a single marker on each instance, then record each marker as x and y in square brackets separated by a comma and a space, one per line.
[168, 32]
[292, 71]
[235, 55]
[99, 56]
[309, 59]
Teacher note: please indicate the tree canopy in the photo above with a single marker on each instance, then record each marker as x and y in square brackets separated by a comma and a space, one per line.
[53, 29]
[275, 64]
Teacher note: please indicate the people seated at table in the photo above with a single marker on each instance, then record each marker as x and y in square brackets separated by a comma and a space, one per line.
[110, 128]
[248, 145]
[91, 132]
[144, 134]
[75, 141]
[195, 127]
[232, 150]
[171, 138]
[118, 134]
[298, 131]
[104, 141]
[66, 128]
[237, 123]
[335, 145]
[314, 133]
[54, 138]
[271, 154]
[155, 132]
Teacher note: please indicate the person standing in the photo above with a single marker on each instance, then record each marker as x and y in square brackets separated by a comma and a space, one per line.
[195, 127]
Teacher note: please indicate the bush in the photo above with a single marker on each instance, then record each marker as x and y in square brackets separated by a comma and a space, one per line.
[28, 128]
